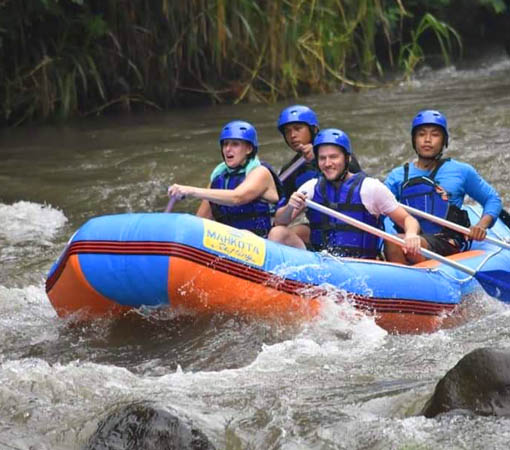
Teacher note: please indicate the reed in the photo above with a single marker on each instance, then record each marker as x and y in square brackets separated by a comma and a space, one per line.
[80, 57]
[411, 54]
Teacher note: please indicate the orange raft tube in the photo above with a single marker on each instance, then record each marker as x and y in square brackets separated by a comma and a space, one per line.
[120, 262]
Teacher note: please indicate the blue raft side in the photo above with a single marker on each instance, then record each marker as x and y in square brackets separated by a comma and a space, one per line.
[142, 279]
[128, 279]
[131, 280]
[365, 278]
[136, 280]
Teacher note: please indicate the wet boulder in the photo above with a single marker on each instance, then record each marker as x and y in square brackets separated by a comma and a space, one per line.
[479, 383]
[142, 426]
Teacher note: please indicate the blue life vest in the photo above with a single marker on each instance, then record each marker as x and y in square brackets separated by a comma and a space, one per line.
[338, 237]
[255, 216]
[425, 194]
[301, 175]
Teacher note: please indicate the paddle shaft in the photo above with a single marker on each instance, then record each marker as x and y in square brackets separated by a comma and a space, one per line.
[386, 236]
[451, 225]
[295, 165]
[170, 204]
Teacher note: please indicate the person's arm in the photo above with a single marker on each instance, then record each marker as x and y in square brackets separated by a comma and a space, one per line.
[257, 184]
[204, 210]
[481, 191]
[411, 229]
[289, 212]
[379, 200]
[296, 204]
[306, 151]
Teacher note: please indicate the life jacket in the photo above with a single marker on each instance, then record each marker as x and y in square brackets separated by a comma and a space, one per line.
[425, 194]
[505, 217]
[338, 237]
[301, 175]
[256, 216]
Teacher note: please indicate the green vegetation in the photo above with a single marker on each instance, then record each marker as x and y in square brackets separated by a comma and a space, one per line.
[62, 58]
[412, 53]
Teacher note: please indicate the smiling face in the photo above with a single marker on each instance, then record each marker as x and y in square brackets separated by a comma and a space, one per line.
[297, 134]
[331, 161]
[428, 141]
[235, 152]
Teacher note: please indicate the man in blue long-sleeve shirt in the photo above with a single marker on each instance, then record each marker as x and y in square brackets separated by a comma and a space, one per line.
[438, 186]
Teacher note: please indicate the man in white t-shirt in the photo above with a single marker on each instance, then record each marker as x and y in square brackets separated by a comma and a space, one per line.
[355, 195]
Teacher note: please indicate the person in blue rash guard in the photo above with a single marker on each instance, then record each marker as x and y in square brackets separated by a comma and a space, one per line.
[356, 195]
[299, 125]
[243, 190]
[438, 186]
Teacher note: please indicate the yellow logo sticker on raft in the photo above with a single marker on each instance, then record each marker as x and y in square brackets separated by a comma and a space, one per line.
[238, 244]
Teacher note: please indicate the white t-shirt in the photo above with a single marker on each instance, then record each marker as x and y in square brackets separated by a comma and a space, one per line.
[375, 196]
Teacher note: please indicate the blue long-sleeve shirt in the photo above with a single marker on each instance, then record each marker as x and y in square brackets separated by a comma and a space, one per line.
[456, 178]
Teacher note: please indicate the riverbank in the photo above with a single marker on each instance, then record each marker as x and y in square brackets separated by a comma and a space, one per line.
[79, 59]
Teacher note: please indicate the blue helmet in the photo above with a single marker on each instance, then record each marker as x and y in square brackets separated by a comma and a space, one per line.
[239, 129]
[332, 136]
[430, 117]
[297, 113]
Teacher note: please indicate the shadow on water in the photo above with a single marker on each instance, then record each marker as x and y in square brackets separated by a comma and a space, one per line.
[157, 344]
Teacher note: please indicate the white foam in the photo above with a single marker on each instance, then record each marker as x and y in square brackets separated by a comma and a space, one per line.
[452, 74]
[26, 221]
[26, 318]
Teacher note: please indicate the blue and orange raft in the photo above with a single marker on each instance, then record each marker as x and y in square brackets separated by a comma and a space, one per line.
[119, 262]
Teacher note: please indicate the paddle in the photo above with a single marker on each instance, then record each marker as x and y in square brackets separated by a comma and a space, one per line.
[289, 170]
[170, 204]
[494, 282]
[451, 225]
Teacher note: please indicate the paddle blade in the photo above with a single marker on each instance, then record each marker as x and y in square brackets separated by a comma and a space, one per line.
[496, 283]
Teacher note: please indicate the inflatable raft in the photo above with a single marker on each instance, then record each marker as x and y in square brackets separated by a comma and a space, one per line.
[116, 263]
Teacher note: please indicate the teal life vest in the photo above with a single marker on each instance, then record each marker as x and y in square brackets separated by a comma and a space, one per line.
[255, 216]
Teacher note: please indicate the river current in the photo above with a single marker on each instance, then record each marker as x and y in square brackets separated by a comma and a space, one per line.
[340, 382]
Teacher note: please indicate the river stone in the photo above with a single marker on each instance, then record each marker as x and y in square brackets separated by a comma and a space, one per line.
[142, 426]
[480, 382]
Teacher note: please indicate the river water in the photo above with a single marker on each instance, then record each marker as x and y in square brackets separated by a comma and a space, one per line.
[338, 383]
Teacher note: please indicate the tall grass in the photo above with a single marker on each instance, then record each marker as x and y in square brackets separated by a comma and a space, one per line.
[61, 58]
[411, 54]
